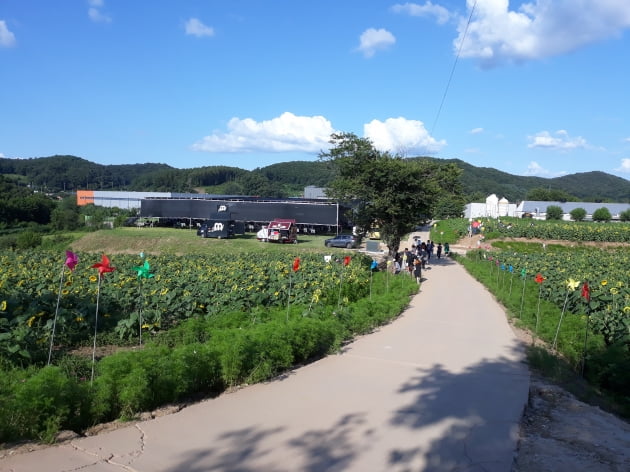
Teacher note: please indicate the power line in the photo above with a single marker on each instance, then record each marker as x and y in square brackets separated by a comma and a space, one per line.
[448, 83]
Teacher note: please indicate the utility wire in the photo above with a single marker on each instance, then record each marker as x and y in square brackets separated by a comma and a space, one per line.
[448, 83]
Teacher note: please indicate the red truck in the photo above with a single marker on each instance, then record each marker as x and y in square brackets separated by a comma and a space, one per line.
[282, 231]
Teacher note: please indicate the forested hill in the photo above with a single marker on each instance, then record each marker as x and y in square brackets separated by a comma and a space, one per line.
[596, 186]
[57, 173]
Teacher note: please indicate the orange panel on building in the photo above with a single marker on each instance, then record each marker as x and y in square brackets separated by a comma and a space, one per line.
[85, 197]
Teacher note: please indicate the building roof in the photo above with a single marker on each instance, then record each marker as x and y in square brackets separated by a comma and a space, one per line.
[532, 206]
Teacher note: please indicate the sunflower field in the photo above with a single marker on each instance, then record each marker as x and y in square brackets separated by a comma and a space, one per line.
[576, 299]
[173, 326]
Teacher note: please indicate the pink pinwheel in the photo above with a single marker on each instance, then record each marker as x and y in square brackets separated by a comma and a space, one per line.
[103, 266]
[71, 260]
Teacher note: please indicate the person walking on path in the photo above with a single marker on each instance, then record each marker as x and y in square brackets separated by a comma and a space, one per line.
[417, 270]
[439, 250]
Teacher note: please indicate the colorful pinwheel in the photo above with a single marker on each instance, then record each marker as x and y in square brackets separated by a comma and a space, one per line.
[144, 271]
[296, 264]
[586, 292]
[71, 260]
[103, 266]
[539, 279]
[572, 284]
[346, 260]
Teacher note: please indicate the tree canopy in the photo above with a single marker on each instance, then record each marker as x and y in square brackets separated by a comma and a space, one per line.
[385, 190]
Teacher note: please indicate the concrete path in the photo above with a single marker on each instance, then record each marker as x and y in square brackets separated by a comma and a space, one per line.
[440, 389]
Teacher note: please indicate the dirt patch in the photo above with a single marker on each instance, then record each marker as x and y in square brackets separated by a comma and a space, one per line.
[559, 433]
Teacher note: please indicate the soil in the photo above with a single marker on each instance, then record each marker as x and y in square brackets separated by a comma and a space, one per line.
[559, 433]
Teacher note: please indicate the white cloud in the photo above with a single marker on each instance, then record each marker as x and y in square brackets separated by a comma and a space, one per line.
[95, 11]
[538, 29]
[534, 169]
[560, 141]
[476, 131]
[194, 27]
[401, 136]
[1, 155]
[7, 38]
[286, 133]
[441, 14]
[627, 140]
[624, 167]
[372, 40]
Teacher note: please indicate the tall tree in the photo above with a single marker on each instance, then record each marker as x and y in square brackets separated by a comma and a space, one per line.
[384, 190]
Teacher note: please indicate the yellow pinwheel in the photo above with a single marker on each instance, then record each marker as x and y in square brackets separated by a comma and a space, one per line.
[572, 285]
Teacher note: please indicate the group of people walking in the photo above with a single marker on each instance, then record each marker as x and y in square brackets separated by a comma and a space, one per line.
[414, 260]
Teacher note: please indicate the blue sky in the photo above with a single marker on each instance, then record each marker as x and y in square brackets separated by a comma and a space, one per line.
[530, 88]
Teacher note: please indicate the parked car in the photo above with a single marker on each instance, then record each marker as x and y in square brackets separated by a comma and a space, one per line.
[343, 240]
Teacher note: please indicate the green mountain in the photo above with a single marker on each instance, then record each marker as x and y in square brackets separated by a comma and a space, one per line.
[57, 173]
[586, 186]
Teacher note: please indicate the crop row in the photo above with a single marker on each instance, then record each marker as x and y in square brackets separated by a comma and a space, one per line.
[37, 291]
[562, 277]
[559, 230]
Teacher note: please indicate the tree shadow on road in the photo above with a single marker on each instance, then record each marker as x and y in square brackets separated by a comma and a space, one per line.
[471, 416]
[328, 449]
[457, 421]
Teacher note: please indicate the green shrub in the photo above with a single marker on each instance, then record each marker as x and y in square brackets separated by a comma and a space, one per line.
[202, 368]
[28, 240]
[602, 215]
[47, 402]
[8, 242]
[554, 212]
[578, 214]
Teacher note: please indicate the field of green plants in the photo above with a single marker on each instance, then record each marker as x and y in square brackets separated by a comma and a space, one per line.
[160, 327]
[576, 299]
[559, 230]
[453, 229]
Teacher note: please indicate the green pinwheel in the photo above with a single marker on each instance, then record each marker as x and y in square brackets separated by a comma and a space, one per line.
[144, 271]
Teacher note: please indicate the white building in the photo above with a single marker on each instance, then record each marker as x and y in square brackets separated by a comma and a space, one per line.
[493, 208]
[538, 209]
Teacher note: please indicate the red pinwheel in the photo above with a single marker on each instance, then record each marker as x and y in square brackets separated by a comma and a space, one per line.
[296, 264]
[586, 292]
[71, 260]
[103, 266]
[539, 278]
[346, 260]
